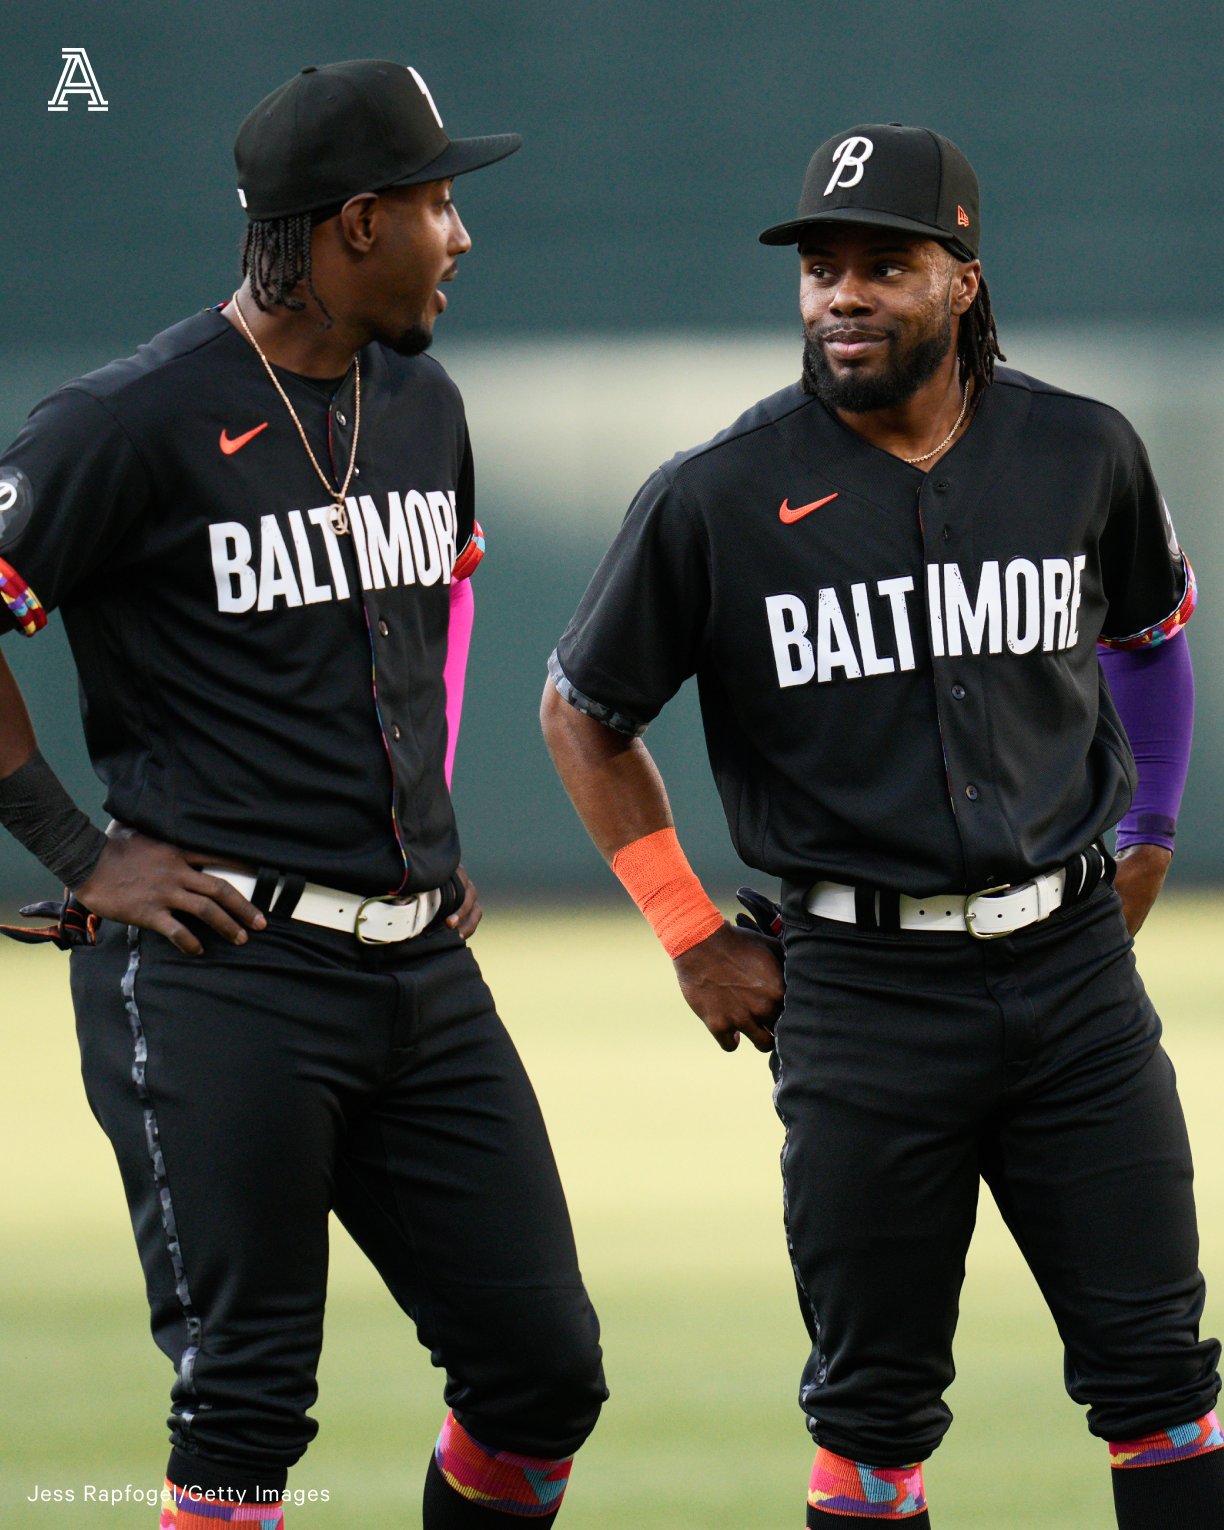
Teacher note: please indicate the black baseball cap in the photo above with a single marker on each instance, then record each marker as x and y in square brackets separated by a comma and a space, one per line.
[885, 175]
[338, 129]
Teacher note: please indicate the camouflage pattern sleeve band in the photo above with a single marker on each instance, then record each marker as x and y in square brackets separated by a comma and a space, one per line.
[657, 876]
[19, 600]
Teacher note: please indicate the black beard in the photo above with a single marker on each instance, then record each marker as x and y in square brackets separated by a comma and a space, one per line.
[861, 394]
[413, 341]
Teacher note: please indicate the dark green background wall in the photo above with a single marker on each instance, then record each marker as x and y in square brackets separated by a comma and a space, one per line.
[616, 305]
[660, 138]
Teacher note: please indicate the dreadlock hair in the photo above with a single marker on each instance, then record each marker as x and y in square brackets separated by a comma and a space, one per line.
[977, 345]
[276, 257]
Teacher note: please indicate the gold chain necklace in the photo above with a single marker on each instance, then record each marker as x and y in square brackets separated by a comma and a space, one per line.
[339, 515]
[913, 461]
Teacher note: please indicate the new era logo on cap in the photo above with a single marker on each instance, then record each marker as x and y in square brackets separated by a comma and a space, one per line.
[886, 175]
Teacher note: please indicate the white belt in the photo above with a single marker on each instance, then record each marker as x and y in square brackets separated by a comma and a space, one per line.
[985, 915]
[374, 921]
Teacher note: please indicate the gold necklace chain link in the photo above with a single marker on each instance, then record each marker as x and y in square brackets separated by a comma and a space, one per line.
[339, 514]
[935, 450]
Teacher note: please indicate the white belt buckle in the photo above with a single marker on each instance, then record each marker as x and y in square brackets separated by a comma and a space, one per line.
[418, 910]
[362, 917]
[970, 915]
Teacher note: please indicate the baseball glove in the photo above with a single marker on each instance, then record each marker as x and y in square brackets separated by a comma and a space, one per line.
[74, 924]
[764, 915]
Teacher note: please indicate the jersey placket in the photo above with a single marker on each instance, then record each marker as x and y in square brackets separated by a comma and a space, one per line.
[961, 713]
[340, 416]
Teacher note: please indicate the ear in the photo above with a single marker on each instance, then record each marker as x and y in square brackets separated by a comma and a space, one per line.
[357, 219]
[966, 279]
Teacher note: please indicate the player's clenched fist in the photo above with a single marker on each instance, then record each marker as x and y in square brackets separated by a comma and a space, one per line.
[144, 882]
[733, 980]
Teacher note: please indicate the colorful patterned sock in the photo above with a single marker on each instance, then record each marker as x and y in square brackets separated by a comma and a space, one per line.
[1180, 1493]
[850, 1488]
[493, 1481]
[1180, 1443]
[184, 1510]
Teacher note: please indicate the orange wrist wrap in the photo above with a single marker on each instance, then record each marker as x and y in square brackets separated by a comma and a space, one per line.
[659, 879]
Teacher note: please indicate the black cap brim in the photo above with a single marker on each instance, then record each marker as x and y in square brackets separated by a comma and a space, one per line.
[462, 155]
[792, 232]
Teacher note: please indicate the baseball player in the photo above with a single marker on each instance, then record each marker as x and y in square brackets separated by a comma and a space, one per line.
[259, 530]
[890, 580]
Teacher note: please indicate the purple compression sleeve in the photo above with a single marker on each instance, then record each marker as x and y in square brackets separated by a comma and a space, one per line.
[1153, 690]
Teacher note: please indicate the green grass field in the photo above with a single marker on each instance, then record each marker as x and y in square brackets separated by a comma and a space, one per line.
[669, 1153]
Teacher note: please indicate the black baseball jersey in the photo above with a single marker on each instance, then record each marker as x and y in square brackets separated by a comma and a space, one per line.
[253, 684]
[897, 670]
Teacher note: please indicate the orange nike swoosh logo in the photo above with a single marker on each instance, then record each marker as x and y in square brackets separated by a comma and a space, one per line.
[789, 516]
[232, 444]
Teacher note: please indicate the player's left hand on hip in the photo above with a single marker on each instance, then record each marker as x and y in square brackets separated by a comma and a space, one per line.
[733, 981]
[468, 915]
[1140, 876]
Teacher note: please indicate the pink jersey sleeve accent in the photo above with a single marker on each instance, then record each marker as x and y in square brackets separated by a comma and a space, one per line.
[459, 639]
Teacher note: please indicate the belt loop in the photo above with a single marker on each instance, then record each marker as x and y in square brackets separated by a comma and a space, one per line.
[265, 888]
[453, 893]
[1084, 873]
[890, 911]
[865, 908]
[290, 893]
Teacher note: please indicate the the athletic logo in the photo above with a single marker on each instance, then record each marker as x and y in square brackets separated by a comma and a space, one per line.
[788, 517]
[231, 444]
[77, 79]
[962, 217]
[849, 157]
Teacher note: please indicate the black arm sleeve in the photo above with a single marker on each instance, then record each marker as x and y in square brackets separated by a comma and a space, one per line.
[37, 811]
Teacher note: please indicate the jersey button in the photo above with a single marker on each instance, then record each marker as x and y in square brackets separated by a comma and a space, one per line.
[395, 734]
[942, 485]
[383, 630]
[958, 691]
[340, 420]
[971, 791]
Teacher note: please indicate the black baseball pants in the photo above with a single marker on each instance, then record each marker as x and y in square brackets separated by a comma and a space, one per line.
[909, 1066]
[250, 1091]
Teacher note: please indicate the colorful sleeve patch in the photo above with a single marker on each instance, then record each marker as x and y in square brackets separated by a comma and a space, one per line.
[473, 552]
[1162, 631]
[23, 606]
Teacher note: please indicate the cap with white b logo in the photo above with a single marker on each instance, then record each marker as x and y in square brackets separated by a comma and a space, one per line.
[338, 129]
[885, 175]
